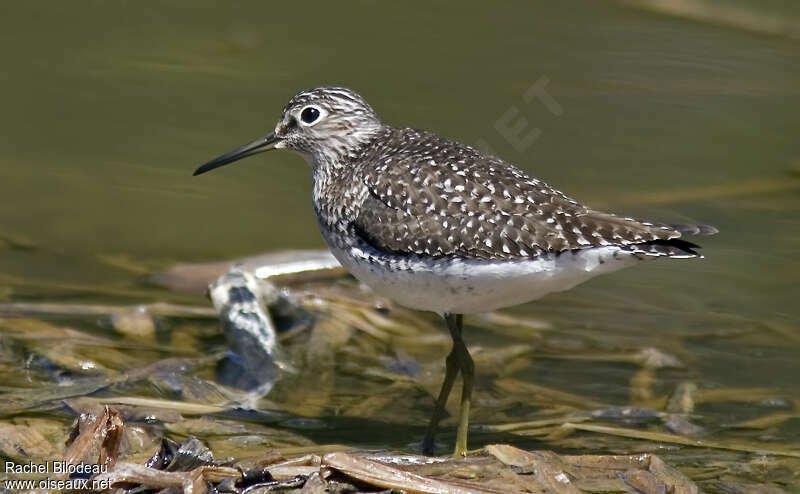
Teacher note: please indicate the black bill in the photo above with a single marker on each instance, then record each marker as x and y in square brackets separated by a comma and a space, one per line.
[259, 145]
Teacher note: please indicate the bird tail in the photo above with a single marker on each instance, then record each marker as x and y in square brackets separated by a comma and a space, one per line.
[693, 229]
[673, 247]
[676, 247]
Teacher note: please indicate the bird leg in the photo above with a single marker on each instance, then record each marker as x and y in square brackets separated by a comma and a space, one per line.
[467, 368]
[458, 360]
[451, 371]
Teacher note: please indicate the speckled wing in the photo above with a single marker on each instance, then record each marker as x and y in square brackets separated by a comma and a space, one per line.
[431, 196]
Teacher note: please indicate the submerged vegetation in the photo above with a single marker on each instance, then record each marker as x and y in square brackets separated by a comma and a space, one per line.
[165, 386]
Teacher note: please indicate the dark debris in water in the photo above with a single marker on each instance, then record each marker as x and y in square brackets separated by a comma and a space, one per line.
[190, 466]
[100, 435]
[361, 370]
[497, 469]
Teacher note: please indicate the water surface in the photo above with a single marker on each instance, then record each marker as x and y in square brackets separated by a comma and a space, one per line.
[109, 107]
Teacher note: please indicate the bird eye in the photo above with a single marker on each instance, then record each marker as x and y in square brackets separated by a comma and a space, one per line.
[309, 115]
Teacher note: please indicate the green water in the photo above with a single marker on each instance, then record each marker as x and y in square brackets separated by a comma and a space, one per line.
[109, 106]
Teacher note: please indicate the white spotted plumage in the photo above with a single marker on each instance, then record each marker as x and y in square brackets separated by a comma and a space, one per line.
[432, 222]
[437, 225]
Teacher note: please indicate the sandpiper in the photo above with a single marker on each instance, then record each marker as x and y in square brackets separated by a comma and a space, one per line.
[440, 226]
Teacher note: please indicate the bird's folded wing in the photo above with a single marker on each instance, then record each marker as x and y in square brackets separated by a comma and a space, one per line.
[486, 209]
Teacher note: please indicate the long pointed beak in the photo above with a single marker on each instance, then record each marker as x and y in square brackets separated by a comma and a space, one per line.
[258, 146]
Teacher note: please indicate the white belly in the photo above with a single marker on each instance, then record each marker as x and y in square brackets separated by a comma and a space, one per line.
[462, 286]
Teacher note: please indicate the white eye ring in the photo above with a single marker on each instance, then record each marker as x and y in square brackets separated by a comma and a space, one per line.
[310, 115]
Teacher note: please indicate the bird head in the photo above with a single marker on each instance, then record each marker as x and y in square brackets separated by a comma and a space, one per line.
[324, 124]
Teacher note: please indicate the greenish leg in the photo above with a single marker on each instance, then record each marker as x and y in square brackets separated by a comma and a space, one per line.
[467, 368]
[458, 360]
[451, 371]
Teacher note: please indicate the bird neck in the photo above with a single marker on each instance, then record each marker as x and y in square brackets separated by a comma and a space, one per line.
[337, 188]
[341, 151]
